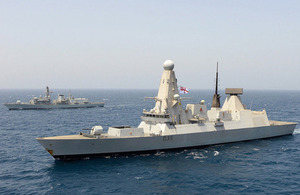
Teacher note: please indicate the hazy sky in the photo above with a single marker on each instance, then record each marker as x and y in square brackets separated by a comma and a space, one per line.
[123, 44]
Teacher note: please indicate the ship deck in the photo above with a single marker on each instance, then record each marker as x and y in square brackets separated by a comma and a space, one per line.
[105, 136]
[71, 137]
[278, 123]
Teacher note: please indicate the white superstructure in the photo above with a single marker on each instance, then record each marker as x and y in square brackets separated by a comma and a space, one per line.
[169, 126]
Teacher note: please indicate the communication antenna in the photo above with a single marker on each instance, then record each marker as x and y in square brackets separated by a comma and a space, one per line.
[216, 98]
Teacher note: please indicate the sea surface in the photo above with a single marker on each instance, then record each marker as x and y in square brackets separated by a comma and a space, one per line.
[268, 166]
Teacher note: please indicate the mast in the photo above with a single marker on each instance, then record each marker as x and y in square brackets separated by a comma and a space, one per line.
[216, 98]
[47, 92]
[217, 75]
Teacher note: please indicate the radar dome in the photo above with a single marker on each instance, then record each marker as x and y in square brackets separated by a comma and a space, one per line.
[168, 65]
[176, 97]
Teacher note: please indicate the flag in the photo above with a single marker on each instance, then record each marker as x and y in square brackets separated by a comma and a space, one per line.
[183, 90]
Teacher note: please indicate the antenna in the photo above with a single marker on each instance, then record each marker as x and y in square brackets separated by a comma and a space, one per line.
[216, 98]
[217, 78]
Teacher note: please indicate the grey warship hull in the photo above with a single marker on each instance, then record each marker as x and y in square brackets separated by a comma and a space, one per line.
[45, 103]
[66, 147]
[28, 106]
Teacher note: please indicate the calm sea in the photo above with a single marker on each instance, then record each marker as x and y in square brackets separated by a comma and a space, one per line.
[269, 166]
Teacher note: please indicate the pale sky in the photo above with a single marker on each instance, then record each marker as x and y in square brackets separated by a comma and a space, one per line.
[123, 44]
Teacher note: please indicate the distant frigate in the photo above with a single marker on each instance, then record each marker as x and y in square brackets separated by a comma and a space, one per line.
[169, 126]
[60, 103]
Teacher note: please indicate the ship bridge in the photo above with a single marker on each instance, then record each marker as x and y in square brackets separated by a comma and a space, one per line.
[167, 107]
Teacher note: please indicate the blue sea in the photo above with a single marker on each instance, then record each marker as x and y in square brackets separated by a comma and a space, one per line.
[268, 166]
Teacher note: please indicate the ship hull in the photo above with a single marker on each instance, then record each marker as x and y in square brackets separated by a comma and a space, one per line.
[24, 106]
[78, 146]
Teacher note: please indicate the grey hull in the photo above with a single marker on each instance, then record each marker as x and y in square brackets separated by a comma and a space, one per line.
[74, 148]
[23, 106]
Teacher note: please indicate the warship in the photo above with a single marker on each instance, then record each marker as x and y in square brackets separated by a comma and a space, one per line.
[62, 102]
[170, 126]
